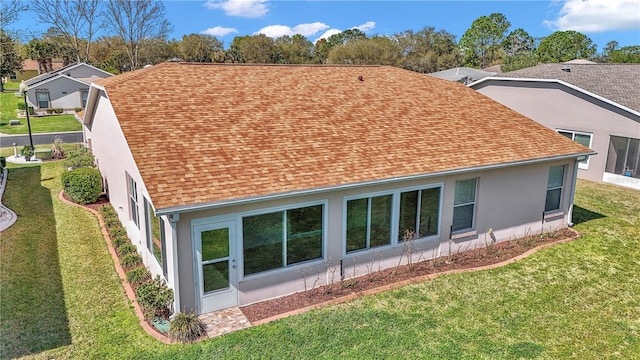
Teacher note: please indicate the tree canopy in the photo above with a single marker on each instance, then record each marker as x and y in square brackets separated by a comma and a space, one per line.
[564, 46]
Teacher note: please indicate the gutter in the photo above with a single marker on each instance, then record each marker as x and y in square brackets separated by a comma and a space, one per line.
[249, 200]
[573, 193]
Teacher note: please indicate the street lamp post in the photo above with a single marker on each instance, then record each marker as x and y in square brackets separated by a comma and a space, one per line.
[23, 90]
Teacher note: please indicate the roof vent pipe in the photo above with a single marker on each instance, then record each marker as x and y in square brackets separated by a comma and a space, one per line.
[566, 68]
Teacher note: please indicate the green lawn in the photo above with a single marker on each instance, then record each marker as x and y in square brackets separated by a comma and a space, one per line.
[56, 123]
[577, 300]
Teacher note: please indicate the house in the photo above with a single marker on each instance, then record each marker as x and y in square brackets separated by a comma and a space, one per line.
[30, 69]
[236, 180]
[65, 88]
[597, 105]
[463, 75]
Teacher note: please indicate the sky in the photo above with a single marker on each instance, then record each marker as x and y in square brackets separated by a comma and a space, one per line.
[601, 20]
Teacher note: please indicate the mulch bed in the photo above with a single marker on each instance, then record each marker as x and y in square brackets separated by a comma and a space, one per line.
[492, 254]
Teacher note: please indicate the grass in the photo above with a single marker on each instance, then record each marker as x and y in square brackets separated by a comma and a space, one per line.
[576, 300]
[55, 123]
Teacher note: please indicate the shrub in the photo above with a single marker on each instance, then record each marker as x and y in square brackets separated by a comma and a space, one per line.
[111, 221]
[49, 111]
[186, 328]
[119, 241]
[3, 162]
[82, 186]
[78, 109]
[81, 157]
[155, 298]
[58, 110]
[138, 275]
[107, 211]
[116, 231]
[22, 106]
[131, 260]
[127, 249]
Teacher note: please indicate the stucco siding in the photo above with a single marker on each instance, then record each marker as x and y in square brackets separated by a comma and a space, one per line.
[115, 161]
[509, 201]
[63, 93]
[560, 108]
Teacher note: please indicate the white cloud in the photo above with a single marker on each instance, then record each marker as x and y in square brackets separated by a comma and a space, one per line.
[241, 8]
[369, 25]
[327, 34]
[275, 31]
[597, 16]
[219, 31]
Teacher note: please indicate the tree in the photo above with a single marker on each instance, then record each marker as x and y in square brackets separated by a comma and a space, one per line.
[626, 54]
[610, 47]
[134, 21]
[377, 50]
[294, 49]
[324, 46]
[9, 10]
[109, 54]
[43, 52]
[427, 50]
[567, 45]
[10, 59]
[201, 48]
[481, 43]
[76, 21]
[259, 49]
[519, 49]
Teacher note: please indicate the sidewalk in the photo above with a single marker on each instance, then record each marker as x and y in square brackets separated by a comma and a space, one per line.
[7, 216]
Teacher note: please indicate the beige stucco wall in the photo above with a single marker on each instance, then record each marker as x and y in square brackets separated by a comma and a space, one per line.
[114, 160]
[63, 93]
[559, 107]
[510, 201]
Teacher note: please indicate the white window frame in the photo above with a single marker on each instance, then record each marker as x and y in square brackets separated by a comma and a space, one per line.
[581, 165]
[149, 212]
[561, 187]
[393, 223]
[285, 268]
[48, 99]
[395, 217]
[134, 205]
[475, 208]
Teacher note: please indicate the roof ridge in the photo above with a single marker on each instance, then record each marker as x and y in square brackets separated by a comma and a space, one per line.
[274, 65]
[114, 80]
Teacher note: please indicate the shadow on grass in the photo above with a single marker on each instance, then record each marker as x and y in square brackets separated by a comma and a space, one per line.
[581, 215]
[32, 305]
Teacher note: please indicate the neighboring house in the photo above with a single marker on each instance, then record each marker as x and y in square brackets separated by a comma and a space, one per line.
[235, 181]
[597, 105]
[29, 70]
[463, 75]
[65, 88]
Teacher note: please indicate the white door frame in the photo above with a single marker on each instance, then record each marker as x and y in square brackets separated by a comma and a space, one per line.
[219, 299]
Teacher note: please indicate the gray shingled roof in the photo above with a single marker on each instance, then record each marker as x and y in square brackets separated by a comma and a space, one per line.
[463, 74]
[617, 82]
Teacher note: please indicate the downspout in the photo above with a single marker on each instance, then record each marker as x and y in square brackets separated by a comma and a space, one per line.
[573, 193]
[173, 220]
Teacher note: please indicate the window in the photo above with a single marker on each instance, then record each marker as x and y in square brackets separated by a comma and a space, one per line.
[156, 237]
[464, 204]
[623, 157]
[282, 238]
[580, 138]
[369, 222]
[133, 201]
[13, 76]
[554, 188]
[83, 98]
[43, 100]
[419, 210]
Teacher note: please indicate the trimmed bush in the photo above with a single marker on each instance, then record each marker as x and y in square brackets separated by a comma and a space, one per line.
[119, 241]
[78, 109]
[155, 298]
[3, 162]
[138, 275]
[82, 186]
[81, 157]
[107, 211]
[58, 110]
[186, 328]
[110, 222]
[131, 260]
[127, 249]
[116, 231]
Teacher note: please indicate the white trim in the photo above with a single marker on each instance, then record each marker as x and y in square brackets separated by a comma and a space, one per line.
[573, 87]
[460, 232]
[55, 78]
[285, 268]
[561, 187]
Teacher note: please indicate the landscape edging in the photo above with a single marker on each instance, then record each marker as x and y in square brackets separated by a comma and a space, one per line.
[379, 289]
[116, 262]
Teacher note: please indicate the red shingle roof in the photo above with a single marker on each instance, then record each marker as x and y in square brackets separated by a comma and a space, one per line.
[204, 133]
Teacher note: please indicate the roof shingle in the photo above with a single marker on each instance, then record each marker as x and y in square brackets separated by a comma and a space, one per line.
[617, 82]
[204, 133]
